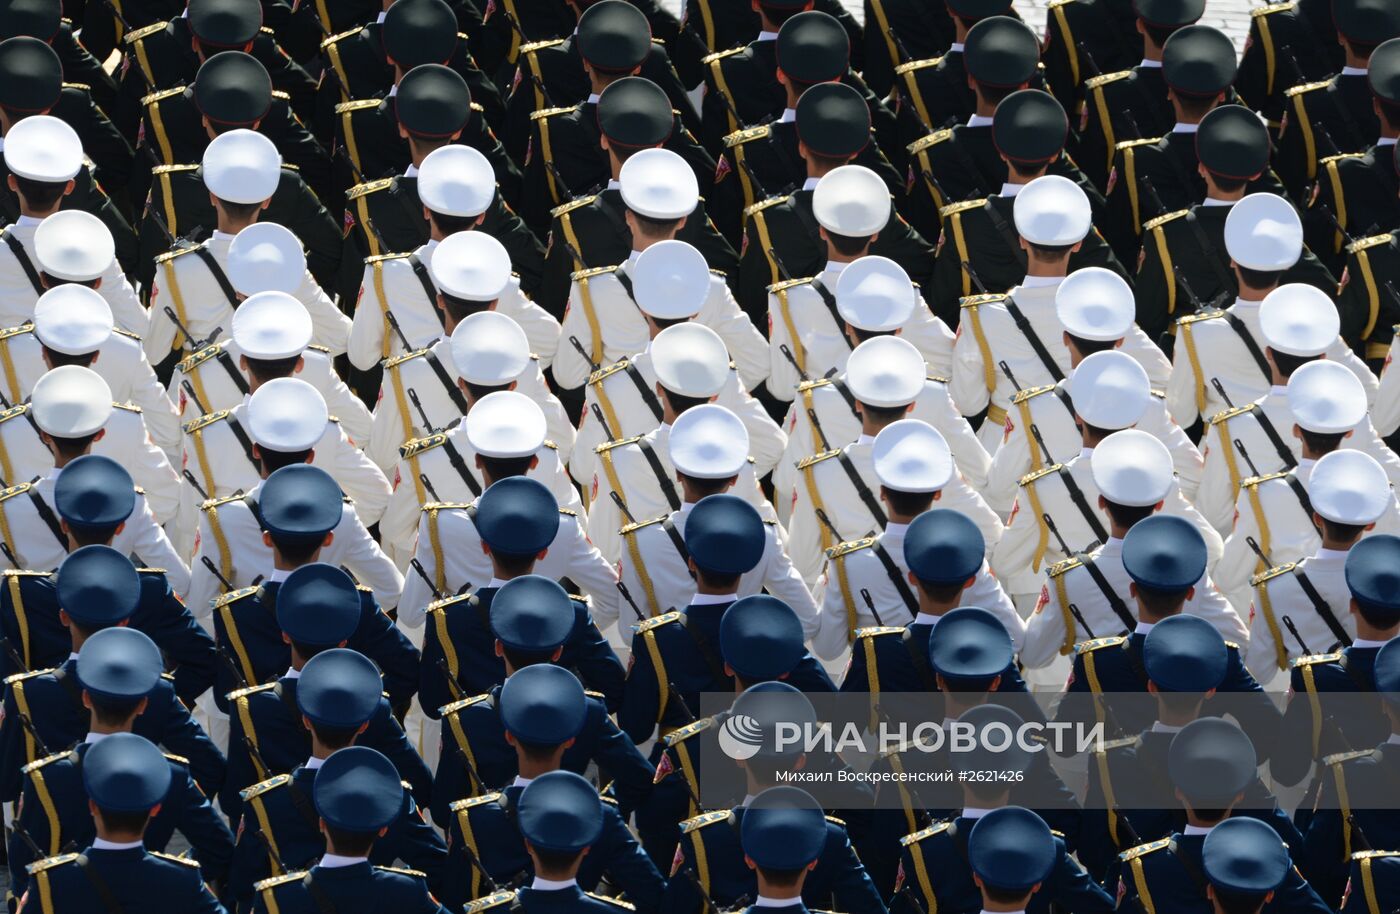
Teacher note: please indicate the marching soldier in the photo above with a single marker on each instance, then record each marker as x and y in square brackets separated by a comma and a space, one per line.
[337, 698]
[1093, 583]
[914, 469]
[44, 20]
[979, 236]
[126, 779]
[1084, 38]
[477, 755]
[1288, 44]
[100, 590]
[590, 231]
[118, 669]
[1337, 115]
[612, 309]
[1166, 559]
[75, 247]
[1241, 859]
[459, 658]
[1372, 265]
[358, 799]
[783, 832]
[1211, 764]
[496, 838]
[1297, 324]
[1192, 259]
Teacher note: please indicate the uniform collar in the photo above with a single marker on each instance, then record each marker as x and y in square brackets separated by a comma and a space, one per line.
[1041, 282]
[893, 529]
[1086, 452]
[865, 439]
[1354, 71]
[767, 36]
[1197, 830]
[924, 618]
[811, 183]
[1159, 727]
[521, 782]
[763, 901]
[1386, 141]
[393, 90]
[1146, 64]
[1330, 555]
[313, 763]
[1394, 740]
[1185, 128]
[1143, 628]
[593, 98]
[333, 861]
[979, 120]
[836, 267]
[380, 17]
[102, 844]
[1010, 190]
[614, 184]
[411, 171]
[632, 258]
[216, 235]
[955, 48]
[495, 583]
[95, 737]
[552, 885]
[1114, 542]
[28, 220]
[1241, 304]
[1368, 644]
[1211, 201]
[278, 575]
[973, 812]
[789, 116]
[1278, 390]
[713, 599]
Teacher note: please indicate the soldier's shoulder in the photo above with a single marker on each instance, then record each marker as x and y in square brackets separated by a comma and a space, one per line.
[357, 104]
[206, 420]
[1341, 758]
[17, 678]
[1039, 474]
[876, 631]
[841, 550]
[1103, 79]
[1095, 644]
[1254, 482]
[263, 787]
[721, 55]
[180, 249]
[613, 902]
[368, 187]
[789, 284]
[1305, 88]
[1317, 660]
[144, 32]
[591, 272]
[48, 863]
[933, 139]
[1225, 415]
[234, 596]
[1365, 244]
[705, 820]
[155, 98]
[616, 443]
[214, 504]
[740, 137]
[544, 114]
[681, 734]
[398, 360]
[977, 301]
[629, 529]
[1066, 565]
[1030, 393]
[1273, 9]
[657, 621]
[962, 206]
[18, 488]
[764, 205]
[1150, 847]
[1208, 314]
[171, 858]
[415, 446]
[463, 704]
[936, 828]
[1159, 221]
[1116, 744]
[494, 900]
[44, 762]
[243, 693]
[402, 871]
[815, 459]
[572, 206]
[337, 38]
[273, 882]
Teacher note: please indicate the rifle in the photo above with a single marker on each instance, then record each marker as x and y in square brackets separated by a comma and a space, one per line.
[394, 324]
[1050, 525]
[1079, 617]
[428, 486]
[422, 413]
[1196, 303]
[209, 564]
[1239, 446]
[1220, 389]
[240, 681]
[422, 573]
[574, 340]
[189, 391]
[15, 658]
[195, 343]
[603, 421]
[1293, 629]
[453, 686]
[972, 275]
[870, 604]
[1040, 440]
[27, 722]
[189, 477]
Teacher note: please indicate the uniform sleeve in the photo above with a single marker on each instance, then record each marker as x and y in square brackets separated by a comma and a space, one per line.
[160, 331]
[1045, 631]
[933, 339]
[746, 345]
[596, 663]
[365, 339]
[850, 883]
[330, 327]
[1158, 367]
[360, 479]
[31, 821]
[205, 829]
[782, 373]
[1076, 891]
[623, 763]
[767, 441]
[385, 735]
[629, 868]
[127, 310]
[1011, 461]
[387, 432]
[781, 580]
[400, 518]
[1181, 389]
[203, 585]
[541, 328]
[161, 419]
[986, 591]
[594, 576]
[183, 736]
[1210, 604]
[372, 567]
[151, 470]
[968, 453]
[833, 627]
[571, 369]
[968, 385]
[381, 641]
[149, 543]
[412, 608]
[1385, 415]
[641, 694]
[1215, 498]
[354, 417]
[419, 844]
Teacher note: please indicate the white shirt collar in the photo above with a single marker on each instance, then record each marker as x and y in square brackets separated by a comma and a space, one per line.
[865, 440]
[496, 582]
[833, 266]
[928, 619]
[1278, 390]
[1159, 727]
[1143, 628]
[1086, 452]
[633, 257]
[712, 599]
[393, 90]
[331, 861]
[217, 235]
[95, 737]
[521, 782]
[379, 18]
[789, 116]
[1330, 555]
[974, 812]
[1386, 141]
[1211, 201]
[1243, 303]
[1022, 911]
[278, 575]
[102, 844]
[593, 98]
[1354, 71]
[1010, 190]
[614, 184]
[1394, 740]
[28, 220]
[313, 763]
[979, 120]
[552, 885]
[72, 655]
[894, 529]
[767, 36]
[411, 171]
[1197, 830]
[1367, 642]
[292, 673]
[811, 183]
[1185, 128]
[763, 901]
[1150, 64]
[1041, 282]
[956, 46]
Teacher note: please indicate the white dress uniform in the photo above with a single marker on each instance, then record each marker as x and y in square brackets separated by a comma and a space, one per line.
[1052, 630]
[449, 554]
[18, 293]
[1345, 487]
[1385, 412]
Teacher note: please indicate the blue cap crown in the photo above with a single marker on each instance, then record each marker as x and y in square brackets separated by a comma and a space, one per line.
[560, 811]
[318, 605]
[97, 586]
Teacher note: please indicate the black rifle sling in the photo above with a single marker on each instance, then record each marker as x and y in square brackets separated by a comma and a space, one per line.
[1024, 325]
[454, 393]
[1115, 602]
[216, 271]
[1285, 454]
[668, 488]
[420, 270]
[1324, 611]
[897, 577]
[867, 497]
[25, 264]
[1076, 495]
[1250, 344]
[99, 885]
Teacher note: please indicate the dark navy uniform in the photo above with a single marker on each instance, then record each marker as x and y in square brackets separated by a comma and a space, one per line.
[1320, 678]
[568, 900]
[1084, 39]
[1368, 311]
[1342, 823]
[133, 877]
[388, 888]
[1289, 44]
[1320, 119]
[725, 24]
[1360, 190]
[1374, 875]
[1166, 875]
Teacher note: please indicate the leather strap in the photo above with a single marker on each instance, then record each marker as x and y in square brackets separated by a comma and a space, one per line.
[99, 885]
[421, 271]
[1300, 493]
[226, 361]
[1076, 495]
[25, 263]
[243, 440]
[706, 649]
[50, 520]
[1007, 233]
[829, 300]
[669, 525]
[867, 497]
[324, 904]
[454, 393]
[648, 395]
[918, 656]
[1320, 605]
[220, 277]
[454, 457]
[897, 578]
[1024, 325]
[1115, 602]
[668, 488]
[1250, 344]
[1211, 253]
[1285, 454]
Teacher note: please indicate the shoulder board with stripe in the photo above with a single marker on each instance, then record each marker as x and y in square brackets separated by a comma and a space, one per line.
[920, 835]
[1272, 8]
[1307, 87]
[233, 596]
[1329, 160]
[933, 139]
[1021, 396]
[534, 46]
[1085, 647]
[213, 503]
[876, 631]
[25, 572]
[278, 93]
[552, 112]
[12, 491]
[1133, 853]
[446, 505]
[761, 205]
[594, 271]
[1207, 315]
[14, 411]
[469, 802]
[682, 734]
[45, 761]
[49, 863]
[359, 104]
[709, 818]
[1225, 415]
[1061, 567]
[243, 693]
[129, 407]
[274, 881]
[840, 822]
[1317, 659]
[1132, 144]
[263, 787]
[138, 34]
[398, 360]
[637, 525]
[1253, 482]
[1341, 757]
[198, 358]
[573, 205]
[402, 871]
[183, 861]
[813, 384]
[1105, 78]
[806, 462]
[961, 207]
[1151, 224]
[1371, 855]
[616, 443]
[1365, 243]
[658, 621]
[1056, 4]
[608, 899]
[720, 55]
[1043, 471]
[456, 706]
[380, 258]
[20, 677]
[21, 330]
[154, 97]
[415, 446]
[83, 87]
[846, 548]
[608, 371]
[176, 252]
[551, 445]
[490, 901]
[1117, 744]
[913, 65]
[972, 301]
[206, 420]
[336, 39]
[789, 283]
[369, 187]
[126, 333]
[171, 169]
[740, 137]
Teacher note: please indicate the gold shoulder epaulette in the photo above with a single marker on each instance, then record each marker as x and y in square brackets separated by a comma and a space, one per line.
[403, 871]
[551, 112]
[213, 503]
[1225, 415]
[534, 46]
[933, 139]
[1021, 396]
[154, 97]
[875, 631]
[25, 572]
[1207, 315]
[572, 205]
[806, 462]
[1104, 79]
[764, 204]
[789, 283]
[1307, 87]
[380, 258]
[1365, 243]
[129, 407]
[1085, 647]
[194, 360]
[359, 104]
[813, 384]
[682, 734]
[12, 491]
[278, 93]
[398, 360]
[469, 802]
[1056, 4]
[20, 677]
[249, 690]
[207, 419]
[445, 505]
[184, 861]
[138, 34]
[608, 899]
[49, 863]
[637, 525]
[46, 760]
[616, 443]
[369, 187]
[591, 272]
[1341, 757]
[700, 821]
[1328, 160]
[961, 206]
[920, 835]
[456, 706]
[913, 65]
[551, 445]
[608, 371]
[1151, 224]
[14, 411]
[126, 333]
[233, 596]
[849, 546]
[336, 39]
[176, 252]
[1371, 855]
[1059, 568]
[490, 901]
[1135, 852]
[274, 881]
[171, 169]
[1272, 8]
[658, 621]
[719, 55]
[1315, 659]
[1130, 144]
[1117, 744]
[739, 137]
[1043, 471]
[1253, 482]
[415, 446]
[263, 787]
[973, 301]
